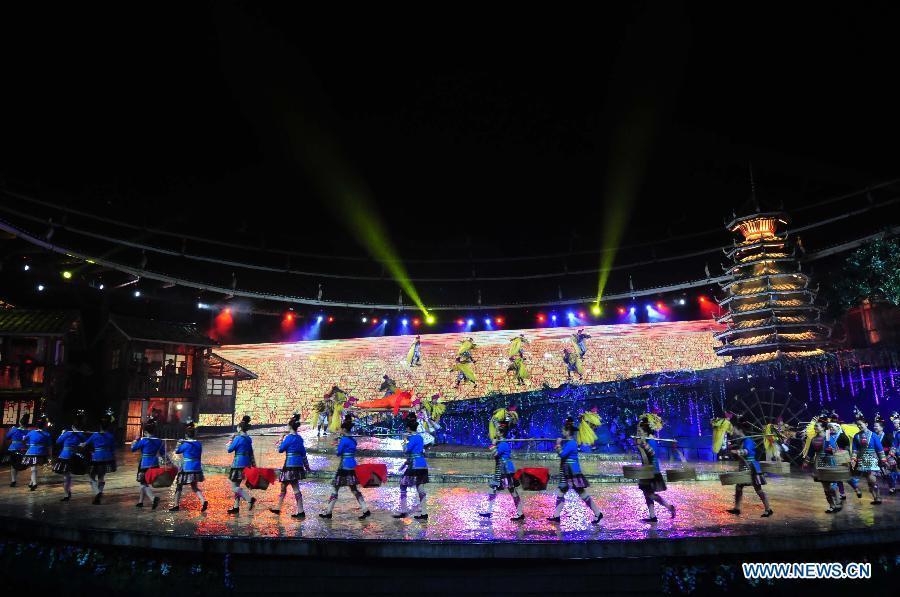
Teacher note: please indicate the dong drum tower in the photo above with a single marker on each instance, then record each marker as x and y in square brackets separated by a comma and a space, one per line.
[769, 306]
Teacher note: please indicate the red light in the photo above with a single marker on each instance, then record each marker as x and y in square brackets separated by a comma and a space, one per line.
[228, 310]
[499, 321]
[541, 318]
[702, 299]
[374, 320]
[659, 305]
[289, 317]
[581, 314]
[330, 319]
[459, 322]
[621, 310]
[416, 321]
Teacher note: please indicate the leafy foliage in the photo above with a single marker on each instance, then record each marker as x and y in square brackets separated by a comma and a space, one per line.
[871, 272]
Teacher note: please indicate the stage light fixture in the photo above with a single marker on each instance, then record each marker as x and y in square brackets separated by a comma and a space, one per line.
[632, 310]
[459, 322]
[67, 275]
[581, 315]
[487, 321]
[570, 315]
[330, 319]
[27, 267]
[596, 310]
[365, 319]
[470, 322]
[541, 318]
[499, 321]
[404, 321]
[659, 305]
[137, 293]
[553, 318]
[621, 310]
[416, 321]
[430, 319]
[680, 301]
[319, 319]
[100, 287]
[40, 287]
[374, 320]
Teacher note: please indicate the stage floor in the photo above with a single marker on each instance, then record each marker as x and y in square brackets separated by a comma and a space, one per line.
[453, 507]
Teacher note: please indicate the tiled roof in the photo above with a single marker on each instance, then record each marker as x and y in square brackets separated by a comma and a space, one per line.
[28, 322]
[154, 330]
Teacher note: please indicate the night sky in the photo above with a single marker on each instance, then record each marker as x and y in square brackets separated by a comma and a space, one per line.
[495, 134]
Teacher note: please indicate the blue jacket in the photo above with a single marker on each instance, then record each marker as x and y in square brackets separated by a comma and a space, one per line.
[103, 444]
[242, 446]
[415, 448]
[193, 452]
[504, 455]
[70, 440]
[347, 451]
[749, 446]
[650, 455]
[568, 456]
[39, 442]
[873, 443]
[151, 449]
[16, 438]
[292, 445]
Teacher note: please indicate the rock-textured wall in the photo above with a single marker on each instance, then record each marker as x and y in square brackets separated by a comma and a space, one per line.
[294, 375]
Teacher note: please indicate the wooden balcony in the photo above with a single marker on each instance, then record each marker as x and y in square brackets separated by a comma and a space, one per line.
[142, 386]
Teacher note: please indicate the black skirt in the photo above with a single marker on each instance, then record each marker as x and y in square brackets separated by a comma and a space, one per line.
[184, 478]
[345, 478]
[142, 475]
[654, 485]
[103, 467]
[61, 466]
[34, 460]
[236, 475]
[11, 458]
[289, 474]
[414, 477]
[502, 480]
[570, 480]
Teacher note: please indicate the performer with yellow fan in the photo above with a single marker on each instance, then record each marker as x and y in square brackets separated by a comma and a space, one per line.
[648, 426]
[517, 346]
[517, 366]
[573, 364]
[570, 476]
[414, 356]
[844, 433]
[867, 455]
[744, 448]
[465, 370]
[341, 402]
[499, 427]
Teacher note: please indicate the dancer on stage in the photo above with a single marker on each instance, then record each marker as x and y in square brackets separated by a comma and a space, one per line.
[466, 347]
[842, 443]
[346, 473]
[867, 455]
[517, 346]
[17, 448]
[570, 476]
[38, 452]
[103, 458]
[573, 364]
[70, 440]
[648, 425]
[517, 366]
[895, 447]
[152, 450]
[339, 398]
[294, 469]
[464, 369]
[500, 425]
[578, 339]
[414, 356]
[415, 469]
[744, 448]
[886, 439]
[321, 414]
[426, 425]
[388, 386]
[821, 454]
[191, 472]
[242, 446]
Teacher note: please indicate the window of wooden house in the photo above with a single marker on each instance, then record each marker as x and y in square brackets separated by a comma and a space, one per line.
[183, 363]
[216, 386]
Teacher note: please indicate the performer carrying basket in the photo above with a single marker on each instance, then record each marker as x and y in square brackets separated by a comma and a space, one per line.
[749, 473]
[648, 425]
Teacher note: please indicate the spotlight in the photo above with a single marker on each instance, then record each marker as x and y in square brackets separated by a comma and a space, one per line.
[405, 321]
[659, 305]
[319, 319]
[384, 320]
[374, 320]
[40, 287]
[365, 319]
[429, 319]
[499, 321]
[680, 301]
[290, 317]
[416, 321]
[137, 293]
[487, 321]
[581, 315]
[202, 305]
[621, 310]
[67, 275]
[596, 310]
[100, 287]
[330, 319]
[632, 310]
[470, 322]
[541, 318]
[649, 308]
[459, 322]
[702, 299]
[553, 318]
[228, 310]
[27, 267]
[570, 315]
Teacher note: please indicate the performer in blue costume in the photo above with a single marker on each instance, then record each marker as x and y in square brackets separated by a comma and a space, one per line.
[17, 448]
[151, 449]
[744, 448]
[415, 469]
[39, 442]
[648, 447]
[103, 458]
[294, 469]
[191, 473]
[867, 455]
[70, 440]
[570, 476]
[821, 454]
[242, 446]
[504, 471]
[346, 473]
[887, 444]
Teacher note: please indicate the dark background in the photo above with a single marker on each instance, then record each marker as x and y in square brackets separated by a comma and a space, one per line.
[473, 134]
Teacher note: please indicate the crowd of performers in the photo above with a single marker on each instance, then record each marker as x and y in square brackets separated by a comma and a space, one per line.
[870, 453]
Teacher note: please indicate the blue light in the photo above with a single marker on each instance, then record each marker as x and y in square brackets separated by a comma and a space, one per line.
[319, 319]
[470, 322]
[631, 310]
[570, 315]
[487, 321]
[405, 322]
[553, 318]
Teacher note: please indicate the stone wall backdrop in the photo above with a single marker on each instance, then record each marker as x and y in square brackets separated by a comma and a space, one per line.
[294, 375]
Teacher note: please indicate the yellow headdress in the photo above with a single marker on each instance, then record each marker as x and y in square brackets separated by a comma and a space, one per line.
[585, 435]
